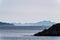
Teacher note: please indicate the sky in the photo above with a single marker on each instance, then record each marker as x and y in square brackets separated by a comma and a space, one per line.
[29, 11]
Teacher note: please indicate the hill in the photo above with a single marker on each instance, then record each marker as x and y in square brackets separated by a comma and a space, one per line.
[5, 24]
[54, 30]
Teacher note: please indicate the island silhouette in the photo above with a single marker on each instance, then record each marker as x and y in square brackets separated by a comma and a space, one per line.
[54, 30]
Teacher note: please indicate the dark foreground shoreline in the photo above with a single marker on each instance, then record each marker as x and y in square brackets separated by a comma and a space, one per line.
[54, 30]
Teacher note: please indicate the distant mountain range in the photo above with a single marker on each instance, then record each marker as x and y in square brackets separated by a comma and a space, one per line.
[41, 23]
[29, 26]
[3, 24]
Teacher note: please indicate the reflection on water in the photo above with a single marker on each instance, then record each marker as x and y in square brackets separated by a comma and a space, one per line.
[23, 35]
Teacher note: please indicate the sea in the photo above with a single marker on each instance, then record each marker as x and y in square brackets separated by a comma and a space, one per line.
[24, 35]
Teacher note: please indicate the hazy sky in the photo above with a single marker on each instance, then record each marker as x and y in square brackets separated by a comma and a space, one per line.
[29, 10]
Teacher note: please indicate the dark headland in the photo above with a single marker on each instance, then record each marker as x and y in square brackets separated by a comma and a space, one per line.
[54, 30]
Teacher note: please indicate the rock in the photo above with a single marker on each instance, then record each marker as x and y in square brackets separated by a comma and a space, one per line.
[54, 30]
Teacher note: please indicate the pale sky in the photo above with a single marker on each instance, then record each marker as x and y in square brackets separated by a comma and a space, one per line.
[29, 11]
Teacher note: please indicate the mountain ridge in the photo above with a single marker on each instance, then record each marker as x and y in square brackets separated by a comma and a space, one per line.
[31, 26]
[41, 23]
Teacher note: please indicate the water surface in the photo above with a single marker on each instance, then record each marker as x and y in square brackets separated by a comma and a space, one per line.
[24, 35]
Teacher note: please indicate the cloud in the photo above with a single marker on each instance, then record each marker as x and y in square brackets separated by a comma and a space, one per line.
[30, 2]
[29, 10]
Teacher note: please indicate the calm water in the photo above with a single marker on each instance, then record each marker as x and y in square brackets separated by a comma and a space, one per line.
[23, 35]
